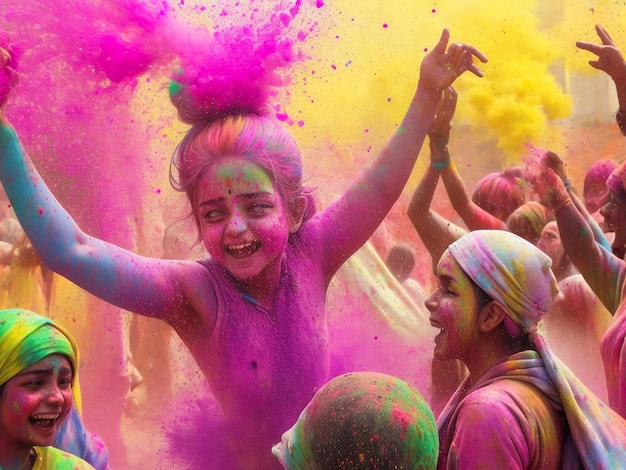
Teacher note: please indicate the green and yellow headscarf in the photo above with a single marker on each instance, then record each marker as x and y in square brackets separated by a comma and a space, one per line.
[26, 338]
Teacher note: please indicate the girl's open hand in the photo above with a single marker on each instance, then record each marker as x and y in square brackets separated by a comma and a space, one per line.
[610, 59]
[440, 68]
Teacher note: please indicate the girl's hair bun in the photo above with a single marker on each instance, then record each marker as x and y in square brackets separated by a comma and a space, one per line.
[237, 73]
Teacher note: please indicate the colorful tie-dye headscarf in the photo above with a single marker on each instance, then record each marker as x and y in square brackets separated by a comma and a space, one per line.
[364, 420]
[517, 274]
[511, 271]
[26, 338]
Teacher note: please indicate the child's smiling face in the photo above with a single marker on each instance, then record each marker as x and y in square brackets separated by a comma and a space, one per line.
[244, 220]
[35, 402]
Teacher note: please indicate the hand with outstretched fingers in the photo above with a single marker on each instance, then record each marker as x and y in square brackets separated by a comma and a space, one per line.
[609, 58]
[444, 64]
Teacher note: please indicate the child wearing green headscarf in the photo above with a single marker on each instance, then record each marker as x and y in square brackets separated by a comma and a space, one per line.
[38, 391]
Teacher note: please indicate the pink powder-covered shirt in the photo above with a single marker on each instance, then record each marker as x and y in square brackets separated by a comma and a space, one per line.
[264, 366]
[504, 420]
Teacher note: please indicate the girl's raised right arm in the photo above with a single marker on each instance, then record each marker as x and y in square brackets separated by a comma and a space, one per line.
[353, 218]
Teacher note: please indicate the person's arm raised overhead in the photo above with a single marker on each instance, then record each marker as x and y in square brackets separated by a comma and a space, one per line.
[138, 284]
[435, 231]
[354, 217]
[558, 166]
[473, 216]
[599, 267]
[611, 61]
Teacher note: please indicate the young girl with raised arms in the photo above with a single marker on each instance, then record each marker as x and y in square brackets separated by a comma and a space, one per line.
[253, 315]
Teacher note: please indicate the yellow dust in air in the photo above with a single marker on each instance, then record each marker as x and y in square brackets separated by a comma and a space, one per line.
[365, 62]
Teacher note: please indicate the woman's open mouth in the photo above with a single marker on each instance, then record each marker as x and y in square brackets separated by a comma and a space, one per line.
[439, 326]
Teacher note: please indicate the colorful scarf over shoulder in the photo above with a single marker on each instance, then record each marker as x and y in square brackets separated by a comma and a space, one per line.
[597, 433]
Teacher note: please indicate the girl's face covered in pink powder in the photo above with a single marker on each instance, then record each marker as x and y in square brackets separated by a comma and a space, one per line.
[35, 402]
[453, 309]
[243, 218]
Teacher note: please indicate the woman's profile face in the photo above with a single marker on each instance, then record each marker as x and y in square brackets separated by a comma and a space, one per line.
[614, 213]
[453, 309]
[35, 402]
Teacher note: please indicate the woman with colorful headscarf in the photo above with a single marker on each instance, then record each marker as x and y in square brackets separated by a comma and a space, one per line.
[362, 420]
[40, 396]
[519, 407]
[437, 232]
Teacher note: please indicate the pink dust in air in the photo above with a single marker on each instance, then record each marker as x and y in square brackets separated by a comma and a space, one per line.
[81, 64]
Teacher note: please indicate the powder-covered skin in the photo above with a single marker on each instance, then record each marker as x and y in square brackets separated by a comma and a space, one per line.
[92, 105]
[262, 371]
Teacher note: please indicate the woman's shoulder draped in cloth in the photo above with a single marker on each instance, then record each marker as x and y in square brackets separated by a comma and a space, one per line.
[597, 434]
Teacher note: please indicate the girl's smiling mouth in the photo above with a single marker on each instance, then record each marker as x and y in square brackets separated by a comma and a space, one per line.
[243, 250]
[45, 420]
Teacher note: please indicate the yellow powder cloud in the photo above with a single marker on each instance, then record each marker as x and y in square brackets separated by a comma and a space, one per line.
[366, 65]
[577, 24]
[365, 58]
